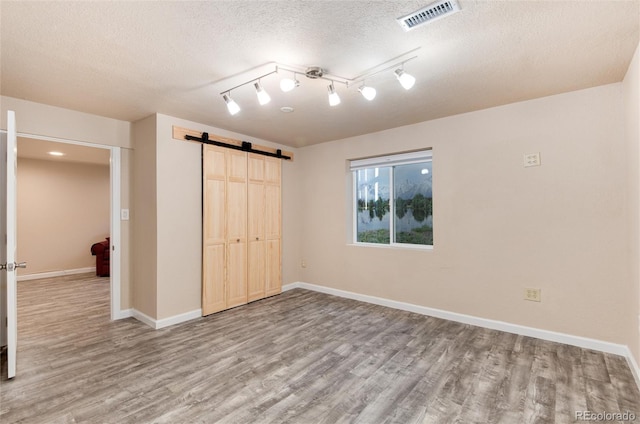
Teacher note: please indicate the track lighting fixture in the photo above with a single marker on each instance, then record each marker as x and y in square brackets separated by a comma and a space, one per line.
[318, 73]
[263, 96]
[334, 99]
[367, 92]
[232, 106]
[406, 80]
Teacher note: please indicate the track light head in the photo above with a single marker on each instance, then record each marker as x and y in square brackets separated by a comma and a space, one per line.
[263, 96]
[288, 84]
[334, 99]
[367, 92]
[232, 106]
[407, 81]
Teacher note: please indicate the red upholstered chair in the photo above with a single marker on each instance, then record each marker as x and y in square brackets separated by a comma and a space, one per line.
[101, 252]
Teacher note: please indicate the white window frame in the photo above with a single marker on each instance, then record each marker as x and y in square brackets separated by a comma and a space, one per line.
[387, 161]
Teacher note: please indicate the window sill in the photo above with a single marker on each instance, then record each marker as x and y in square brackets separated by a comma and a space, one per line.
[393, 246]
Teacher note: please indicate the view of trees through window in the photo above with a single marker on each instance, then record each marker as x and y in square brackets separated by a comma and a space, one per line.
[412, 203]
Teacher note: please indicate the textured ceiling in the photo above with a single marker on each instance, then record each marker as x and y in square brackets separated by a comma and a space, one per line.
[127, 60]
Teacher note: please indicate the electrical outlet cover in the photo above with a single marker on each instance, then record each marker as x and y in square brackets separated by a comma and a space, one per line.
[531, 159]
[532, 294]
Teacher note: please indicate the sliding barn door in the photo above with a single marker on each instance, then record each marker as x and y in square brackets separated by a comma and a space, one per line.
[241, 228]
[273, 230]
[236, 228]
[214, 240]
[256, 213]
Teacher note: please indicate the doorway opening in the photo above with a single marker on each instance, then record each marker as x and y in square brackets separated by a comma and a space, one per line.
[34, 147]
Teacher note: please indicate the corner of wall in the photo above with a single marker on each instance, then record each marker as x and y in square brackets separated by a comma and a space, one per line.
[631, 95]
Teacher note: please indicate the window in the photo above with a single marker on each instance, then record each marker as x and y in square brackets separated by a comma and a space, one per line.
[393, 200]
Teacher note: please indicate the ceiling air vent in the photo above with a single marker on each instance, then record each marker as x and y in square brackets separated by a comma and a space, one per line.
[428, 14]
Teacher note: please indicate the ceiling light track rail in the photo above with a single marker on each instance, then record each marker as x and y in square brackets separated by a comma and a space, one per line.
[367, 75]
[249, 82]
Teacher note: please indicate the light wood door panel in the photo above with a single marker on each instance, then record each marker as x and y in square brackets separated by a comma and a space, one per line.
[256, 270]
[255, 223]
[213, 288]
[256, 211]
[236, 165]
[273, 266]
[215, 163]
[214, 211]
[256, 167]
[272, 170]
[272, 213]
[236, 228]
[237, 211]
[237, 274]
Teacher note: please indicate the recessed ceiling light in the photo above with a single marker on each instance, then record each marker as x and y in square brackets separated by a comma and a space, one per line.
[286, 109]
[424, 171]
[56, 153]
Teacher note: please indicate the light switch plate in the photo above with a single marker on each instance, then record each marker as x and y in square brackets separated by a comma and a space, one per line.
[124, 214]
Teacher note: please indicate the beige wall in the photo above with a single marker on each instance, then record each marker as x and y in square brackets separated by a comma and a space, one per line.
[49, 121]
[143, 217]
[63, 208]
[179, 222]
[631, 92]
[498, 227]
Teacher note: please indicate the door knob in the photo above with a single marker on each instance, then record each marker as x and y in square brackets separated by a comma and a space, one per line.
[15, 265]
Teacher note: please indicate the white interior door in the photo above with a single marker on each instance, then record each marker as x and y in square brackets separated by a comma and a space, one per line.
[3, 245]
[8, 261]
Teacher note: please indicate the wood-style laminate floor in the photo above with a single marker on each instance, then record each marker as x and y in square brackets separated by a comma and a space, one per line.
[300, 357]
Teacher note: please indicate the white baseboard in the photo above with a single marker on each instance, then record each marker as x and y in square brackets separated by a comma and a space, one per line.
[177, 319]
[553, 336]
[51, 274]
[144, 318]
[633, 364]
[124, 313]
[159, 323]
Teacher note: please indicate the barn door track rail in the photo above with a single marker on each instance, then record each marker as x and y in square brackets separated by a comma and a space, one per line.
[180, 133]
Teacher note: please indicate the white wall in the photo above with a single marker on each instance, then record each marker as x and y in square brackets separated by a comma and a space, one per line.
[63, 208]
[498, 227]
